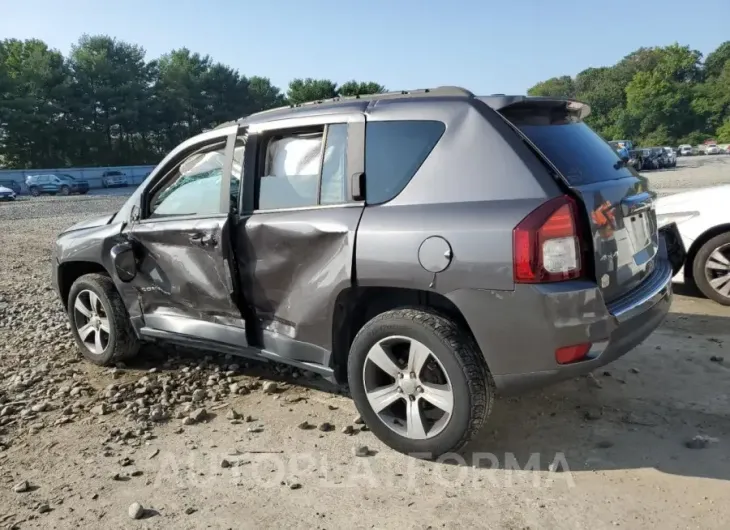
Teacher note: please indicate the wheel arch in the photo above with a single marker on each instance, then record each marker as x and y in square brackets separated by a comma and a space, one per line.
[70, 271]
[355, 306]
[697, 245]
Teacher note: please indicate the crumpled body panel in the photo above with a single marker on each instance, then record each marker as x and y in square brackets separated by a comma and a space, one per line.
[293, 265]
[179, 278]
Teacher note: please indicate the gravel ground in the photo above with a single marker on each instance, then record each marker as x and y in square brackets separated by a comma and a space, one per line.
[208, 441]
[691, 172]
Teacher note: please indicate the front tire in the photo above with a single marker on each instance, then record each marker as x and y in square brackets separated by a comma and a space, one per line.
[419, 382]
[65, 190]
[711, 269]
[100, 322]
[35, 192]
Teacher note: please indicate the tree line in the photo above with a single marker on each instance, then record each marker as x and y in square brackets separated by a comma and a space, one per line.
[106, 104]
[655, 96]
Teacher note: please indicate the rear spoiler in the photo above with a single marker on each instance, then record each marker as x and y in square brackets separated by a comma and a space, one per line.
[500, 102]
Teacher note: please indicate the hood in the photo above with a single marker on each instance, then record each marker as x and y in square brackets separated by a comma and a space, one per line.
[695, 200]
[3, 189]
[91, 223]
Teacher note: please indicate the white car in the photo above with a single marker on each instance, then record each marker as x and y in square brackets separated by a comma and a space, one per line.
[712, 149]
[703, 219]
[685, 150]
[6, 194]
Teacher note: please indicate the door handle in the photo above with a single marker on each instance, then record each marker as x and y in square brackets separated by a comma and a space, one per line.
[203, 240]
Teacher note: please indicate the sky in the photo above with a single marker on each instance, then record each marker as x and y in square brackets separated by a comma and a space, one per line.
[483, 45]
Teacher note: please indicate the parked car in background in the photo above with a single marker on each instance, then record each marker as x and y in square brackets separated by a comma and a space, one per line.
[113, 179]
[12, 184]
[704, 226]
[55, 184]
[649, 159]
[6, 194]
[661, 157]
[685, 150]
[635, 160]
[712, 149]
[332, 269]
[671, 156]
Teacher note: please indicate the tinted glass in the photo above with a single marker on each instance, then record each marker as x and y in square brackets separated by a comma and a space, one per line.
[334, 167]
[394, 150]
[577, 151]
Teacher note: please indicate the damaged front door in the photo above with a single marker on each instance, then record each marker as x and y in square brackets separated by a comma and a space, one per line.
[297, 241]
[184, 275]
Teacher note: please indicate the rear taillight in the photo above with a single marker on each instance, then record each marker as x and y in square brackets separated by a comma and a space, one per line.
[546, 243]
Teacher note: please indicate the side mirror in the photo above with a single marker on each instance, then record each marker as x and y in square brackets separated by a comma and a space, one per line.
[124, 261]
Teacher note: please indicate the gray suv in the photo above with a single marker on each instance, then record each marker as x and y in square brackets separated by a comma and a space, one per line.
[56, 184]
[428, 249]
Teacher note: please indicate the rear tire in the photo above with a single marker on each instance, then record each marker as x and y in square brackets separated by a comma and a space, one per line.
[65, 190]
[444, 349]
[111, 339]
[707, 268]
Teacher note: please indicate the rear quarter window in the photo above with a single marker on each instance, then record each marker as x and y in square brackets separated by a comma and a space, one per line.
[394, 150]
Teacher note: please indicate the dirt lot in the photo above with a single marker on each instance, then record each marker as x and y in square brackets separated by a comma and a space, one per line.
[598, 452]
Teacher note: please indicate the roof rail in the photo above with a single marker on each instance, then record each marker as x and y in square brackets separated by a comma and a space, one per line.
[453, 91]
[444, 91]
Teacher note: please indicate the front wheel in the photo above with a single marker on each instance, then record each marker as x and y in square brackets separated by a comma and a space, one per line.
[99, 321]
[419, 382]
[711, 269]
[35, 192]
[65, 190]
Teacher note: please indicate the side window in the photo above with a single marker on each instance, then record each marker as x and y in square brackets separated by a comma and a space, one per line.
[297, 170]
[194, 189]
[291, 167]
[394, 150]
[334, 166]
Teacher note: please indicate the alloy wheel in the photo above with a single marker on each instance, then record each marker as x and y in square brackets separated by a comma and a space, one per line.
[717, 270]
[91, 321]
[408, 388]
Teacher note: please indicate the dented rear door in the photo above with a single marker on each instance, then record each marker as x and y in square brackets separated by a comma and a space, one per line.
[295, 240]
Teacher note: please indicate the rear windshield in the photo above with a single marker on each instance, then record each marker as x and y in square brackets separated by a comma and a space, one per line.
[581, 155]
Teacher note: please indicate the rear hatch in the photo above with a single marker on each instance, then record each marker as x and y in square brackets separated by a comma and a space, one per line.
[618, 207]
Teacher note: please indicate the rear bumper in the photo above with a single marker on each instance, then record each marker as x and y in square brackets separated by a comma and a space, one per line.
[519, 331]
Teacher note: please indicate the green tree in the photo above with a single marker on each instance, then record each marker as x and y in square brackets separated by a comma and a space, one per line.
[355, 88]
[33, 115]
[263, 94]
[557, 87]
[717, 60]
[304, 90]
[111, 81]
[723, 132]
[661, 100]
